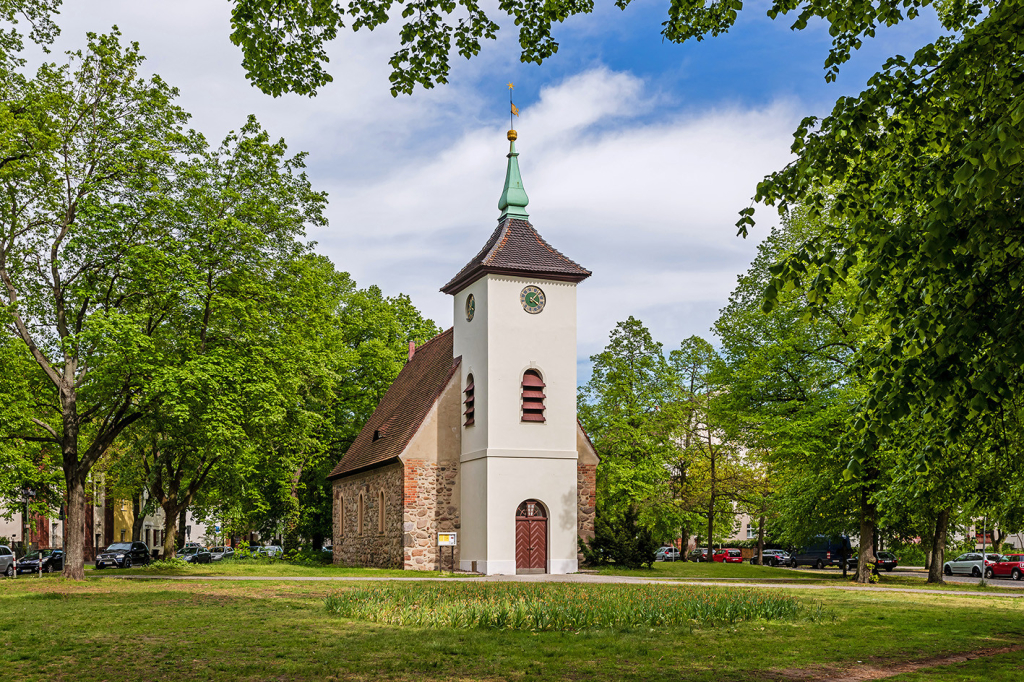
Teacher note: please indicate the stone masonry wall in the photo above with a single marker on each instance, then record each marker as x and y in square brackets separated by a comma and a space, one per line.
[430, 507]
[371, 547]
[586, 501]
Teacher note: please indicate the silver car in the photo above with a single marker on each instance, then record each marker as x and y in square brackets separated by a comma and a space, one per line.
[7, 563]
[969, 564]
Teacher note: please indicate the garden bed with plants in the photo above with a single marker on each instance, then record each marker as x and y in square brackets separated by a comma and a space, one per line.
[566, 607]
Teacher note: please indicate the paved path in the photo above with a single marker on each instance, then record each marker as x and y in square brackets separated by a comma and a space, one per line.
[570, 578]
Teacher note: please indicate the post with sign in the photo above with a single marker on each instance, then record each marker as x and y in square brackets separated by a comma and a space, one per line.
[446, 540]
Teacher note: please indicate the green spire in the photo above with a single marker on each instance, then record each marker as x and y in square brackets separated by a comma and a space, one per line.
[513, 199]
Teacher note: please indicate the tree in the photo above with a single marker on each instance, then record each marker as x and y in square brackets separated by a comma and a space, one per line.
[627, 409]
[706, 438]
[792, 391]
[929, 164]
[80, 262]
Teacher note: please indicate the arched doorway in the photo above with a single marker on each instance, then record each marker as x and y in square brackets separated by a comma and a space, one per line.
[531, 538]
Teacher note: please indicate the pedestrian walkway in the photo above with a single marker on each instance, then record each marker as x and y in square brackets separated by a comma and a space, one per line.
[570, 578]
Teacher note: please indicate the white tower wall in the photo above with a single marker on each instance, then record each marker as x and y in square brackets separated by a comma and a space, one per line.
[505, 460]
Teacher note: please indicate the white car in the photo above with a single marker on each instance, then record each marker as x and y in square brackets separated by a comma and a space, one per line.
[970, 564]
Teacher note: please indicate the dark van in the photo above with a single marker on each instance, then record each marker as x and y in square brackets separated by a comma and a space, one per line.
[822, 552]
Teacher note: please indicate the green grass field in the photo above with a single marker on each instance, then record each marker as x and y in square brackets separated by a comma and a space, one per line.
[102, 629]
[276, 569]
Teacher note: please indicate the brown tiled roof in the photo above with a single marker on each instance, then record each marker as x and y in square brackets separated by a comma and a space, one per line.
[404, 407]
[515, 248]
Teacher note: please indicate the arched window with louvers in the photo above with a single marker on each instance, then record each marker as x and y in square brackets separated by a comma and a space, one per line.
[470, 402]
[533, 396]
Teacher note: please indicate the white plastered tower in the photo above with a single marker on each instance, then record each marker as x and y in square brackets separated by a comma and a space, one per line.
[515, 313]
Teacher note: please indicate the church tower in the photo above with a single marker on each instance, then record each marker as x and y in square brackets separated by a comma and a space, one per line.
[515, 330]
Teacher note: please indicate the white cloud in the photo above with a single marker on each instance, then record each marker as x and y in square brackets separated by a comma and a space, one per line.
[619, 177]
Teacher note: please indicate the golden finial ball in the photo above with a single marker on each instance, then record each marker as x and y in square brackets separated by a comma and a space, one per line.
[512, 136]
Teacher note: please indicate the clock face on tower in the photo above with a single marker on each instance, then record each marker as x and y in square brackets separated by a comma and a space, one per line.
[470, 307]
[532, 299]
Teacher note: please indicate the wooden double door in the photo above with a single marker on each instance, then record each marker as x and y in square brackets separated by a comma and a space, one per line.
[531, 538]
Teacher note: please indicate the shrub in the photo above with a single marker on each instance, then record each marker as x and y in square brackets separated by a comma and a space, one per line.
[567, 607]
[620, 541]
[165, 564]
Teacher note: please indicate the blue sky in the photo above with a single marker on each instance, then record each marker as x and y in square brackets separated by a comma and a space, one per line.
[636, 153]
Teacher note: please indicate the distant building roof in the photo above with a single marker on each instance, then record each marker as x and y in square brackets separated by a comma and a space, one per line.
[515, 248]
[403, 408]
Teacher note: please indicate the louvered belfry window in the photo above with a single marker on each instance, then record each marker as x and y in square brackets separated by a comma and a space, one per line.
[470, 411]
[533, 397]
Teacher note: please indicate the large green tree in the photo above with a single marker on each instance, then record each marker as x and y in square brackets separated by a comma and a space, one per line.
[82, 271]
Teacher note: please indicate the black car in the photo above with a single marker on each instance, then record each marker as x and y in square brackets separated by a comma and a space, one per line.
[697, 555]
[885, 560]
[773, 557]
[196, 555]
[53, 560]
[124, 555]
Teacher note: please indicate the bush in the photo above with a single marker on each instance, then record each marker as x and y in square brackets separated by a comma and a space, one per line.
[566, 607]
[165, 564]
[307, 556]
[620, 541]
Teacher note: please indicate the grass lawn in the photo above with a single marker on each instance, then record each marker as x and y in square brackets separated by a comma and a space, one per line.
[267, 569]
[185, 630]
[747, 573]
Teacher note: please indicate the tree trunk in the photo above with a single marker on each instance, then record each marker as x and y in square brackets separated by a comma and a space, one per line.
[170, 516]
[138, 518]
[74, 530]
[684, 541]
[760, 541]
[711, 528]
[927, 541]
[867, 539]
[939, 547]
[181, 526]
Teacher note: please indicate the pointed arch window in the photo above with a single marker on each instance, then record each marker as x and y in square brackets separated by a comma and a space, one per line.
[470, 401]
[380, 512]
[341, 515]
[533, 396]
[359, 515]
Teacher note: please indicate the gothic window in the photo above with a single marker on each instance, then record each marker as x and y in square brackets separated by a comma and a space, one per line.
[533, 396]
[380, 512]
[359, 515]
[469, 402]
[341, 515]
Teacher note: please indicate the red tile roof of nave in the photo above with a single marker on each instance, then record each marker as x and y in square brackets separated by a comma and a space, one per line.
[515, 248]
[403, 408]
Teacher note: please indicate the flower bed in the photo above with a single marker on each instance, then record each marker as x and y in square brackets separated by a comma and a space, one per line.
[572, 607]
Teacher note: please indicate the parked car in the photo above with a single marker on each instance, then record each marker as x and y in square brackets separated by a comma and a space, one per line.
[196, 555]
[969, 563]
[698, 555]
[728, 556]
[8, 564]
[270, 551]
[884, 559]
[823, 552]
[667, 554]
[1012, 566]
[124, 555]
[51, 560]
[773, 557]
[218, 553]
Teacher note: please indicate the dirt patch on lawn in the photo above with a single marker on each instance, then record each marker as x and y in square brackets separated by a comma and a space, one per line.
[881, 671]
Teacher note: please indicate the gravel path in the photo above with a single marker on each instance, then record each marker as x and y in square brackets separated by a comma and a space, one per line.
[571, 578]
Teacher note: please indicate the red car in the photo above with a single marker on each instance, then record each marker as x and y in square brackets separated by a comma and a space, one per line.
[1011, 566]
[728, 556]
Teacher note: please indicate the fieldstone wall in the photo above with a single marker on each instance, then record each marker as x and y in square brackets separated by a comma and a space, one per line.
[369, 547]
[430, 506]
[586, 501]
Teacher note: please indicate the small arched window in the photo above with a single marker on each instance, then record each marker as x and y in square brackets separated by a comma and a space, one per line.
[380, 512]
[470, 401]
[359, 515]
[341, 515]
[533, 396]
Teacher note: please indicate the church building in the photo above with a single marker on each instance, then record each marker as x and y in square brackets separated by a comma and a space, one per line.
[478, 434]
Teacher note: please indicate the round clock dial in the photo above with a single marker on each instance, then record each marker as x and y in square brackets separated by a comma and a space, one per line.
[470, 307]
[533, 299]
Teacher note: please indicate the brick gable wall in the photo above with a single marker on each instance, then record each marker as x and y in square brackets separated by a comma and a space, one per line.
[586, 501]
[430, 507]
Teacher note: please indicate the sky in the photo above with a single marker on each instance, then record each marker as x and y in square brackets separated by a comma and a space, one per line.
[636, 153]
